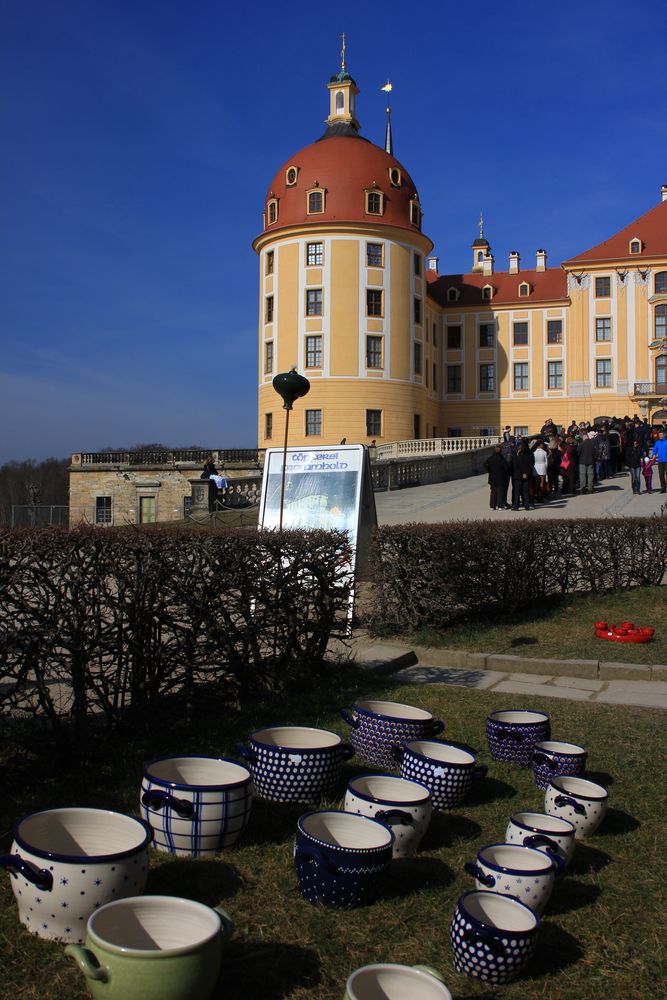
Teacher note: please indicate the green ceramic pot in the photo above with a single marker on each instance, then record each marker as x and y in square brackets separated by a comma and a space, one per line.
[152, 948]
[396, 982]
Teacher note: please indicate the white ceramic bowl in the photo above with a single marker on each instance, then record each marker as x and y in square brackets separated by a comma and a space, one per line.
[548, 833]
[578, 800]
[403, 805]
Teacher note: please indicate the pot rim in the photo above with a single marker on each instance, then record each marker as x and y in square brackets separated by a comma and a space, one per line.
[155, 953]
[408, 744]
[409, 720]
[581, 794]
[164, 782]
[383, 801]
[339, 847]
[80, 858]
[542, 716]
[490, 928]
[541, 829]
[287, 749]
[514, 871]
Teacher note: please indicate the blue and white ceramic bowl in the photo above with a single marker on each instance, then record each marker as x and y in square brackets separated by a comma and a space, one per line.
[547, 833]
[447, 769]
[378, 727]
[339, 857]
[493, 936]
[513, 870]
[66, 863]
[551, 757]
[403, 805]
[295, 763]
[196, 806]
[578, 800]
[512, 734]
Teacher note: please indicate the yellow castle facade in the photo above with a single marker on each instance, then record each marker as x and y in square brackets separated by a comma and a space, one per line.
[350, 293]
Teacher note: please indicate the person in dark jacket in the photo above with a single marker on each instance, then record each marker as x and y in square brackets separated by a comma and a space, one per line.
[633, 460]
[522, 473]
[586, 454]
[496, 466]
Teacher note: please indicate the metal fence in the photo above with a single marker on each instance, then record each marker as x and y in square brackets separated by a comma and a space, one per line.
[39, 515]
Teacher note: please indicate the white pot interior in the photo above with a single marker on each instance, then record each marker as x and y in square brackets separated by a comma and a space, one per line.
[297, 738]
[341, 829]
[543, 823]
[499, 911]
[385, 788]
[395, 982]
[197, 771]
[516, 858]
[153, 923]
[554, 746]
[82, 832]
[395, 710]
[442, 752]
[518, 718]
[579, 788]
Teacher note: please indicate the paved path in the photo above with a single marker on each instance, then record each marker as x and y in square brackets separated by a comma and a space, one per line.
[468, 500]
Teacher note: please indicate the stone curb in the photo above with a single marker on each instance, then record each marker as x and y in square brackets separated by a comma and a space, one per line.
[388, 657]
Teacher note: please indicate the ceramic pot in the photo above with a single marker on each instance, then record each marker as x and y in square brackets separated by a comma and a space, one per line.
[396, 982]
[152, 948]
[295, 763]
[403, 805]
[339, 857]
[513, 870]
[493, 936]
[378, 727]
[578, 800]
[447, 769]
[547, 833]
[66, 863]
[196, 806]
[512, 734]
[551, 757]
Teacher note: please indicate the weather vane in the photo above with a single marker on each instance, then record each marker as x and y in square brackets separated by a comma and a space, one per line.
[481, 226]
[342, 54]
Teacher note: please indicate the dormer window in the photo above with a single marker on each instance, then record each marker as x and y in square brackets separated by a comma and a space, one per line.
[291, 175]
[453, 295]
[415, 213]
[524, 289]
[374, 202]
[271, 211]
[635, 245]
[340, 101]
[487, 292]
[395, 177]
[315, 201]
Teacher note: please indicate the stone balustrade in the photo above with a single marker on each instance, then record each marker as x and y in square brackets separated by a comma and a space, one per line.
[432, 447]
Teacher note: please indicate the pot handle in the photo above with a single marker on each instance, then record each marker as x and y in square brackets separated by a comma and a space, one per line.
[509, 734]
[541, 758]
[245, 753]
[347, 751]
[40, 877]
[483, 937]
[155, 798]
[386, 816]
[565, 800]
[317, 857]
[480, 771]
[472, 869]
[549, 847]
[350, 719]
[397, 752]
[227, 923]
[88, 963]
[431, 971]
[436, 726]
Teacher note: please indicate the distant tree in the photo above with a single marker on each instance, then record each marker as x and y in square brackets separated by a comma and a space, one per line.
[29, 481]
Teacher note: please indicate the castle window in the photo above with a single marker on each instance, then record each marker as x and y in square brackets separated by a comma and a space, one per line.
[487, 334]
[268, 357]
[603, 373]
[435, 378]
[418, 264]
[635, 246]
[487, 378]
[373, 352]
[660, 283]
[418, 310]
[374, 255]
[520, 334]
[524, 289]
[603, 287]
[268, 425]
[454, 378]
[415, 213]
[521, 375]
[314, 254]
[291, 175]
[394, 177]
[487, 292]
[554, 375]
[603, 328]
[314, 352]
[453, 338]
[313, 302]
[374, 423]
[269, 309]
[313, 423]
[554, 331]
[435, 335]
[269, 262]
[103, 513]
[660, 323]
[340, 101]
[272, 211]
[661, 371]
[418, 359]
[315, 202]
[452, 294]
[374, 302]
[374, 202]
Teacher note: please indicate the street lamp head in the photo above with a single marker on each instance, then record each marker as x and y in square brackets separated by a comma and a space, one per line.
[291, 386]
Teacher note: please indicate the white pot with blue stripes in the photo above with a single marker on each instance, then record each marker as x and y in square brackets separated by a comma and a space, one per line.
[196, 806]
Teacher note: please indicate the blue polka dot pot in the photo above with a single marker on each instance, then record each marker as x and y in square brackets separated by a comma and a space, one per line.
[403, 805]
[66, 863]
[340, 857]
[379, 727]
[548, 833]
[526, 873]
[493, 936]
[447, 769]
[512, 734]
[583, 803]
[551, 757]
[295, 763]
[196, 806]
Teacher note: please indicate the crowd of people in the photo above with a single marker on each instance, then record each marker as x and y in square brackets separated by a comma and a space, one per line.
[563, 461]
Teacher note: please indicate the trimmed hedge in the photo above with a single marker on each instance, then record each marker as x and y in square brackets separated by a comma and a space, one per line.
[428, 575]
[93, 622]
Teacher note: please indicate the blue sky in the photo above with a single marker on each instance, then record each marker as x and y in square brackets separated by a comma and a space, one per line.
[139, 139]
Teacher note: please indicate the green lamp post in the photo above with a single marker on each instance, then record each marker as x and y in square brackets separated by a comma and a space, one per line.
[291, 386]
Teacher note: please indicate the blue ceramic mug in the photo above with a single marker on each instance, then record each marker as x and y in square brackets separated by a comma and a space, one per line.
[378, 727]
[493, 936]
[551, 757]
[512, 734]
[339, 857]
[447, 769]
[295, 763]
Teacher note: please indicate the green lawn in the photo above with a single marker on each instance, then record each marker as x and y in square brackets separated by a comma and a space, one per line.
[601, 936]
[563, 628]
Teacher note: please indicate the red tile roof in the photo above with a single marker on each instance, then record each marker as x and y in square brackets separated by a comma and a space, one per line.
[545, 286]
[650, 228]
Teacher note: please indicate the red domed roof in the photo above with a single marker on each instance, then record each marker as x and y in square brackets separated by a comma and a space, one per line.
[344, 167]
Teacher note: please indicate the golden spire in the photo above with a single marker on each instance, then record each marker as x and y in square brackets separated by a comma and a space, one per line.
[481, 226]
[342, 55]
